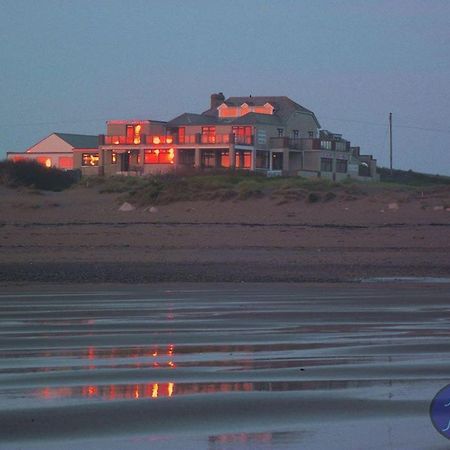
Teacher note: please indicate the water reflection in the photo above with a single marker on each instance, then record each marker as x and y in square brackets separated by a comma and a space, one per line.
[169, 389]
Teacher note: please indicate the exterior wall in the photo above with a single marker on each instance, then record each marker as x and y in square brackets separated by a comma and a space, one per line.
[311, 160]
[302, 122]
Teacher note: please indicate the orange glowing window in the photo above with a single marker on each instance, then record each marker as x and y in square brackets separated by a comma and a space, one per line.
[156, 140]
[243, 160]
[181, 135]
[159, 156]
[113, 158]
[225, 159]
[65, 162]
[208, 135]
[133, 134]
[47, 162]
[89, 159]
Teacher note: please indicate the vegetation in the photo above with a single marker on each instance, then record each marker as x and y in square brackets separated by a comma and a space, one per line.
[168, 188]
[410, 178]
[32, 174]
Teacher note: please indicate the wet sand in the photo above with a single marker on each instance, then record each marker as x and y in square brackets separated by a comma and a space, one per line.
[222, 366]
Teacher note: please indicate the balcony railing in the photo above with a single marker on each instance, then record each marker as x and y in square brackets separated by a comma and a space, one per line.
[198, 138]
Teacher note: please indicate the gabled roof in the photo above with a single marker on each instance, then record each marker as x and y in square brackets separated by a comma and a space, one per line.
[192, 119]
[79, 140]
[284, 106]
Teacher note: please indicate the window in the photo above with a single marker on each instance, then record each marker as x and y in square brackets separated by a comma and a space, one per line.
[311, 134]
[113, 158]
[280, 132]
[325, 145]
[209, 158]
[341, 165]
[242, 135]
[47, 162]
[326, 165]
[65, 162]
[262, 159]
[208, 135]
[89, 159]
[341, 146]
[295, 134]
[159, 156]
[243, 160]
[186, 157]
[133, 134]
[181, 135]
[261, 137]
[224, 158]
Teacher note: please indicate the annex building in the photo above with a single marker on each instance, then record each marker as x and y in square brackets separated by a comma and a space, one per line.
[273, 135]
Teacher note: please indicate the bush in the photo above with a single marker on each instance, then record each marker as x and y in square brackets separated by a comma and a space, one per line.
[32, 174]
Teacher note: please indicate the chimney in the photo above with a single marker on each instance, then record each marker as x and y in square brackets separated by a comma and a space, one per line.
[217, 100]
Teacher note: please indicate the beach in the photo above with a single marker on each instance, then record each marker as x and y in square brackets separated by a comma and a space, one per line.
[219, 325]
[80, 235]
[222, 366]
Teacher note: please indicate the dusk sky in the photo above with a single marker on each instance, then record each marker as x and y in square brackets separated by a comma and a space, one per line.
[68, 66]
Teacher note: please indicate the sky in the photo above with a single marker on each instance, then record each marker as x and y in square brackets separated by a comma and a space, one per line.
[68, 66]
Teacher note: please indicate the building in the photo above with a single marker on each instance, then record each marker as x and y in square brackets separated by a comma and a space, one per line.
[273, 135]
[57, 150]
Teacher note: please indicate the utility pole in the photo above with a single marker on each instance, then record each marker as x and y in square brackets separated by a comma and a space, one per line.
[390, 140]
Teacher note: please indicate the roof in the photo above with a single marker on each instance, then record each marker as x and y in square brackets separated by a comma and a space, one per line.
[256, 118]
[192, 119]
[284, 106]
[79, 140]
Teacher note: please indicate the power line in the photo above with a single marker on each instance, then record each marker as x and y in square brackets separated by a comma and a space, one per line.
[379, 124]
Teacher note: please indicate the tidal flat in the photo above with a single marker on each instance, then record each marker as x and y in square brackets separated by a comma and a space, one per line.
[222, 366]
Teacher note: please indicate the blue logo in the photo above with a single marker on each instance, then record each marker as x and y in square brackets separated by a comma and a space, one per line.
[440, 411]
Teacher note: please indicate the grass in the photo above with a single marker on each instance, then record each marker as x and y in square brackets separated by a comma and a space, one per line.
[411, 178]
[221, 186]
[34, 175]
[237, 186]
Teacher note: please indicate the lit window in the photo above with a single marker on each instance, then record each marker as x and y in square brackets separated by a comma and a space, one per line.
[89, 159]
[159, 156]
[208, 135]
[242, 135]
[65, 162]
[47, 162]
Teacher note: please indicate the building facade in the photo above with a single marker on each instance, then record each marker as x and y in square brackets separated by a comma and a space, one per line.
[272, 135]
[57, 150]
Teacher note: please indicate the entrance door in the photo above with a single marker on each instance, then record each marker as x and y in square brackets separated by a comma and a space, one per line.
[277, 161]
[124, 162]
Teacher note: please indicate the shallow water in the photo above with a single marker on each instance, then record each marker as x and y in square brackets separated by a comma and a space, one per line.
[223, 366]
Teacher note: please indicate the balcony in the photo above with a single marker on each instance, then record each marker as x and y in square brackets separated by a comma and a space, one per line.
[287, 142]
[189, 139]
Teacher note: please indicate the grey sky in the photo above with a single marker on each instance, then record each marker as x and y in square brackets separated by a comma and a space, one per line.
[68, 66]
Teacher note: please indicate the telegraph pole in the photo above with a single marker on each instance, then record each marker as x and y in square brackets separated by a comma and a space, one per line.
[390, 140]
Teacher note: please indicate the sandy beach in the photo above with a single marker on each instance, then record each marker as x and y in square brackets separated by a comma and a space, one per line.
[80, 235]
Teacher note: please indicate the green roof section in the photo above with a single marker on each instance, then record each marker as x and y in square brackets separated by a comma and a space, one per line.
[79, 140]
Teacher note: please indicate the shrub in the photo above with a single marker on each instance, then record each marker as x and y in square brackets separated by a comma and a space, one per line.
[32, 174]
[313, 197]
